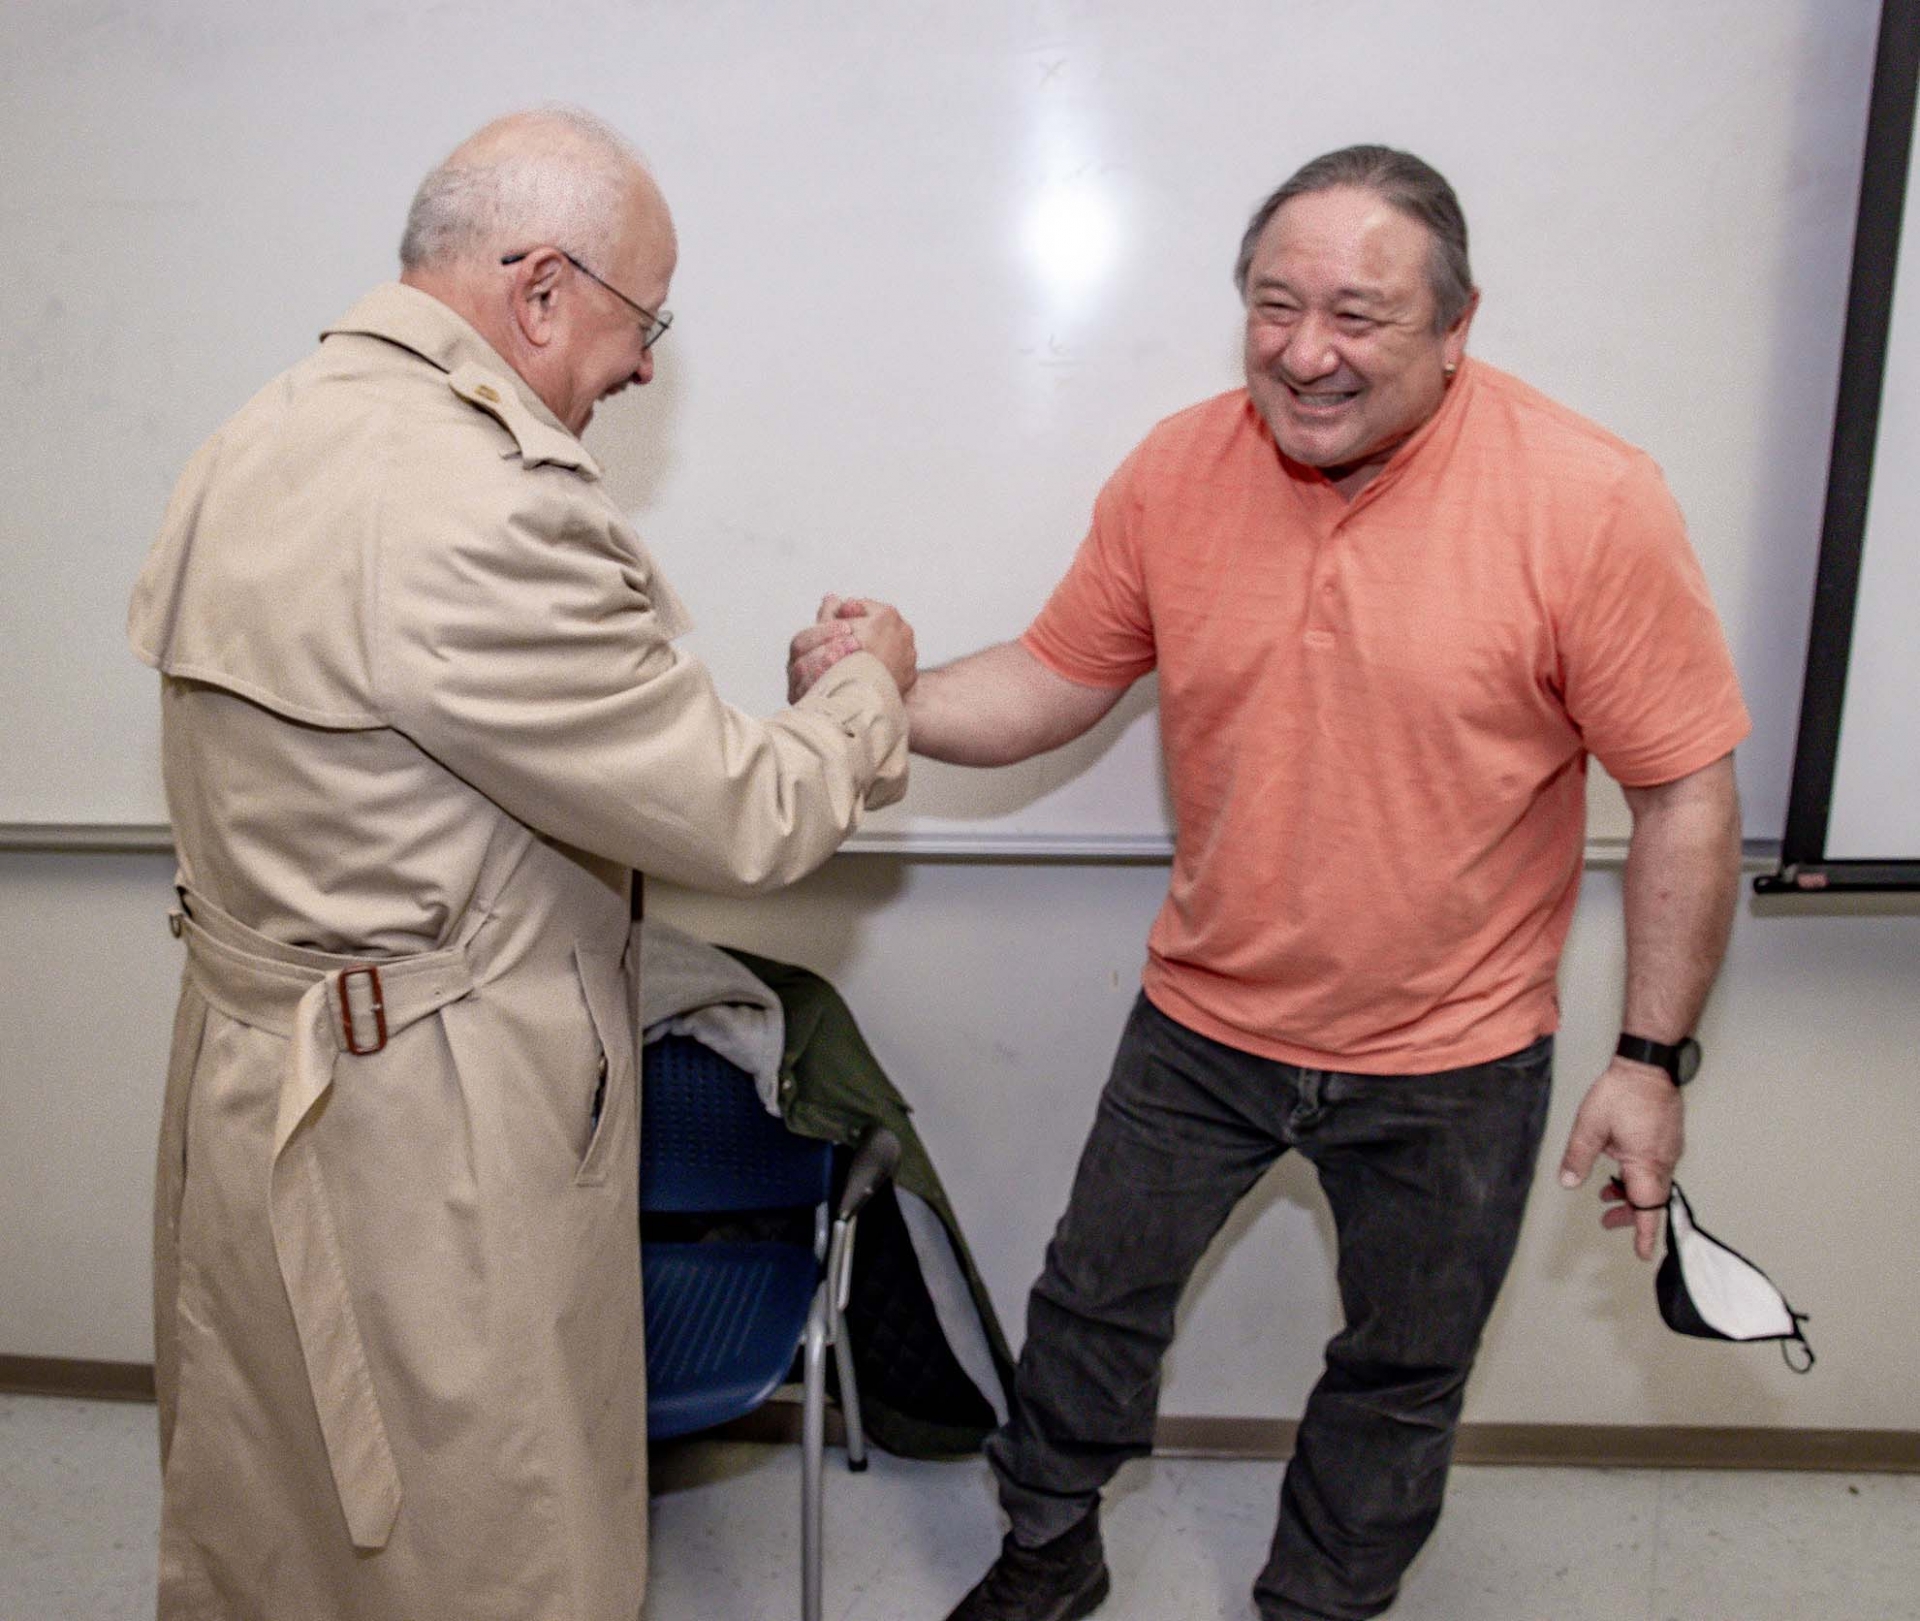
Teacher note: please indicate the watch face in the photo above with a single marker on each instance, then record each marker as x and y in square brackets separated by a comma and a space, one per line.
[1686, 1061]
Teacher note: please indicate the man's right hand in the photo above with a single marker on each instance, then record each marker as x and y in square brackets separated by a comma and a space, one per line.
[847, 625]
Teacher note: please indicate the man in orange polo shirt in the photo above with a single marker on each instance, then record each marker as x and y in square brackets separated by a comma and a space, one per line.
[1395, 598]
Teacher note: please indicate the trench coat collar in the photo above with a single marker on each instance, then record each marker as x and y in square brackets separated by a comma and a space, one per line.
[419, 322]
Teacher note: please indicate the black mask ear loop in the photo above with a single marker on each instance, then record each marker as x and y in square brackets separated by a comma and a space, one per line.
[1620, 1188]
[1799, 1339]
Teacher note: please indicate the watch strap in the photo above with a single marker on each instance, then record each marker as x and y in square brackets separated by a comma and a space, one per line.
[1671, 1056]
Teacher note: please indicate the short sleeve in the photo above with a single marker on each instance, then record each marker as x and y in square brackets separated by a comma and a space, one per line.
[1097, 628]
[1648, 678]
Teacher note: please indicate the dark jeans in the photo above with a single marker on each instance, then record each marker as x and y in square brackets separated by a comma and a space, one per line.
[1427, 1177]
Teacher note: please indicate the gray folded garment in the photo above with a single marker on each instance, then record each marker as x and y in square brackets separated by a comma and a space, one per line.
[691, 988]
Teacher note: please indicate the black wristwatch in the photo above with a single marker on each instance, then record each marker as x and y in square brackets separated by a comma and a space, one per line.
[1680, 1059]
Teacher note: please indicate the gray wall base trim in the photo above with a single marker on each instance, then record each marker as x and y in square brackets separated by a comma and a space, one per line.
[1625, 1446]
[1615, 1446]
[62, 1376]
[1589, 1446]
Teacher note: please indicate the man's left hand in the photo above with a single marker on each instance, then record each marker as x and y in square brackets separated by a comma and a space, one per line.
[821, 645]
[1634, 1116]
[850, 625]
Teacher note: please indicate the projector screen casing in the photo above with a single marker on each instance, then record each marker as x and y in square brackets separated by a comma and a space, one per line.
[1853, 815]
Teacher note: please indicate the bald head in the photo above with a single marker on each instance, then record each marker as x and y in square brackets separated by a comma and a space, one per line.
[553, 175]
[546, 233]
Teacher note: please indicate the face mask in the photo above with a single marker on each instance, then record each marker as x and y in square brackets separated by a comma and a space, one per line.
[1709, 1291]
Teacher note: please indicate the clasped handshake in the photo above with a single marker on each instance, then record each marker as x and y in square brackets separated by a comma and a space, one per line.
[851, 625]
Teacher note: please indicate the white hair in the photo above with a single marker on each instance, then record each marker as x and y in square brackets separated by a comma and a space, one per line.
[556, 176]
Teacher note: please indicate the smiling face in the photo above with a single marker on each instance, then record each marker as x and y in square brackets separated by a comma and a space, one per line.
[601, 349]
[1342, 357]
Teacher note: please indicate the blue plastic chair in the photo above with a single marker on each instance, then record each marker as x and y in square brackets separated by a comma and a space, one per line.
[725, 1319]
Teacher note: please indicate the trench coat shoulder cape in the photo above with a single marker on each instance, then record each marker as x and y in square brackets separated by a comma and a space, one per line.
[421, 716]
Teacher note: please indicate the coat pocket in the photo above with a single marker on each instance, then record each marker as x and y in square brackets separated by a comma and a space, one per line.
[603, 985]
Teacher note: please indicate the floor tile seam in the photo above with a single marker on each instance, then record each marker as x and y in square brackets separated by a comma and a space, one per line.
[1657, 1541]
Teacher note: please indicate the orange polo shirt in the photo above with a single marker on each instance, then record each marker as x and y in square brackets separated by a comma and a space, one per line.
[1376, 714]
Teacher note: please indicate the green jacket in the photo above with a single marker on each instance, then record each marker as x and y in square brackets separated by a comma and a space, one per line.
[915, 1398]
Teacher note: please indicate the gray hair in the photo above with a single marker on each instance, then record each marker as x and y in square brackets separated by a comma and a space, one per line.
[556, 176]
[1402, 181]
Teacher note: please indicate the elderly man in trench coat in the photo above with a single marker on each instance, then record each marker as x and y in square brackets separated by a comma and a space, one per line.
[423, 715]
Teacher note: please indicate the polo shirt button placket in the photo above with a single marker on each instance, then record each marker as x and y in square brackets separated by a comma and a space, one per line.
[1319, 624]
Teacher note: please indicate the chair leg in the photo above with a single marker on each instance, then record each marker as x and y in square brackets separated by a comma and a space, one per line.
[813, 1450]
[849, 1395]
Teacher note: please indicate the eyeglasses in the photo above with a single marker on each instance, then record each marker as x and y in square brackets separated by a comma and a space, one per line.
[656, 324]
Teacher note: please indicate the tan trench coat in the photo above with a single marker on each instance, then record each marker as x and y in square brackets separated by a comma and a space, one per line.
[421, 716]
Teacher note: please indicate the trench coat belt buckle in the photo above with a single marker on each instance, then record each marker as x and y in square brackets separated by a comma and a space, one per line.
[372, 1017]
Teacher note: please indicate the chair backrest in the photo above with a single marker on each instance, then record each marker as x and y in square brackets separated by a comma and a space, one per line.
[708, 1143]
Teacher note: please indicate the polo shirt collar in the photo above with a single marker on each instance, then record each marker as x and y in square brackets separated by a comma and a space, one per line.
[1430, 440]
[1428, 444]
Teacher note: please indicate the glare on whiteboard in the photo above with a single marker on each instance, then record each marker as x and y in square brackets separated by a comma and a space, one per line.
[1073, 236]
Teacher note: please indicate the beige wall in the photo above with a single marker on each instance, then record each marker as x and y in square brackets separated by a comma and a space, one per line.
[993, 994]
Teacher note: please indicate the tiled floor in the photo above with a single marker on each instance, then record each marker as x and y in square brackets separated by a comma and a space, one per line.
[79, 1501]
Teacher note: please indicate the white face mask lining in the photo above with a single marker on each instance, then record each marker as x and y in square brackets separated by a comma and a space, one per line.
[1707, 1289]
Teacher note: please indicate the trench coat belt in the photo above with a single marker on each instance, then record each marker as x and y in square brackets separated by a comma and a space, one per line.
[333, 1011]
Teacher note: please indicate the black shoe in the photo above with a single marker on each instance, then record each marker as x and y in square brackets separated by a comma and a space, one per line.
[1061, 1580]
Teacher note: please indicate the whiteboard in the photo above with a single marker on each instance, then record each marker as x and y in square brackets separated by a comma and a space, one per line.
[1875, 809]
[941, 267]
